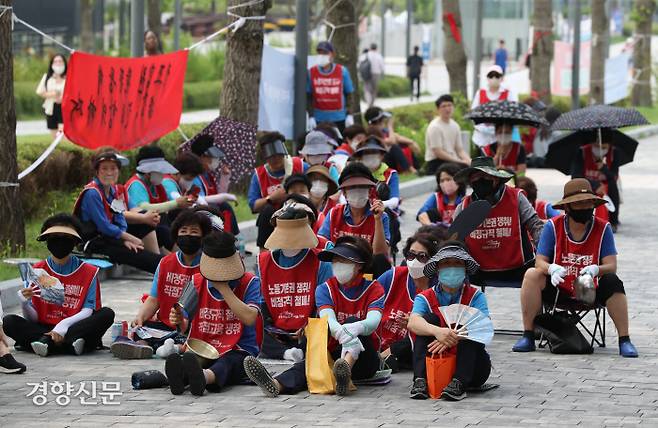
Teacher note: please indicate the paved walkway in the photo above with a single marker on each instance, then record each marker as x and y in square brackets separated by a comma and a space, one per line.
[601, 389]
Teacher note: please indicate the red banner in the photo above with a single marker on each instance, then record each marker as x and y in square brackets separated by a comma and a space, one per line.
[122, 102]
[454, 29]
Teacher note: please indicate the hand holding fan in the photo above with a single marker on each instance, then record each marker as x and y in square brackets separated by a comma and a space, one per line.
[469, 322]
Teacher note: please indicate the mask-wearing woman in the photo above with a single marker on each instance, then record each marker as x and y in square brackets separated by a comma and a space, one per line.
[371, 154]
[322, 194]
[440, 206]
[51, 89]
[401, 284]
[353, 306]
[507, 154]
[435, 335]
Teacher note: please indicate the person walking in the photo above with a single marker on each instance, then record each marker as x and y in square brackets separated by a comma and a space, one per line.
[500, 56]
[371, 85]
[414, 69]
[51, 89]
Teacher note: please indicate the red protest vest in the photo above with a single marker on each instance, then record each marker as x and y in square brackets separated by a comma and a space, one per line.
[327, 89]
[567, 252]
[215, 322]
[160, 192]
[510, 160]
[173, 276]
[209, 186]
[289, 293]
[445, 210]
[541, 209]
[323, 243]
[338, 226]
[269, 183]
[429, 295]
[590, 169]
[388, 173]
[76, 286]
[397, 301]
[119, 193]
[322, 214]
[484, 98]
[496, 243]
[345, 149]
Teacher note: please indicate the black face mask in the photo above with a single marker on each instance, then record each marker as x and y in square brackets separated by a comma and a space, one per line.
[189, 244]
[483, 188]
[581, 216]
[60, 247]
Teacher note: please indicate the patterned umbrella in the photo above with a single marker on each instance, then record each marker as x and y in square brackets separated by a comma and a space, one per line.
[509, 112]
[599, 116]
[238, 142]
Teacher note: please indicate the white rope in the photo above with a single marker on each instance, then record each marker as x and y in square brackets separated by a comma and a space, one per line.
[4, 9]
[6, 183]
[185, 137]
[331, 24]
[36, 30]
[43, 156]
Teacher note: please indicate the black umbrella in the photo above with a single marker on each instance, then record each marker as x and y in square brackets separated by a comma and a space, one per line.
[563, 150]
[509, 112]
[599, 116]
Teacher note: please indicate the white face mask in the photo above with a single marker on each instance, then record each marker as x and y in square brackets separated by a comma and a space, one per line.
[319, 188]
[214, 164]
[416, 268]
[324, 60]
[343, 271]
[494, 83]
[354, 144]
[185, 184]
[504, 139]
[58, 69]
[371, 161]
[156, 178]
[598, 152]
[290, 253]
[358, 198]
[316, 159]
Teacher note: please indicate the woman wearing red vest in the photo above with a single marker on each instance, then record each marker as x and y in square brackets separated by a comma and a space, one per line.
[401, 284]
[507, 154]
[323, 192]
[440, 206]
[227, 311]
[483, 133]
[74, 324]
[573, 244]
[433, 334]
[172, 275]
[353, 306]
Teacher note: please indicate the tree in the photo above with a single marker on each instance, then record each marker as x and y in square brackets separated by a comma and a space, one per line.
[453, 49]
[12, 228]
[641, 92]
[542, 50]
[86, 31]
[244, 51]
[154, 19]
[599, 52]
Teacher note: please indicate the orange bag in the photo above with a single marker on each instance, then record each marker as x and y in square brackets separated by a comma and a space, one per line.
[440, 369]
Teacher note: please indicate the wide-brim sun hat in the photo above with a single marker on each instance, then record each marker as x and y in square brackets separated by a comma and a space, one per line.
[577, 190]
[292, 234]
[484, 164]
[324, 172]
[357, 181]
[219, 259]
[372, 144]
[276, 147]
[59, 230]
[345, 250]
[451, 252]
[147, 166]
[317, 143]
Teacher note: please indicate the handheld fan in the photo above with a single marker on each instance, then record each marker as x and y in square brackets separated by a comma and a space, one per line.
[468, 322]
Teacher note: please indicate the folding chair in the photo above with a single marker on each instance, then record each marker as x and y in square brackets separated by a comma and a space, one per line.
[579, 310]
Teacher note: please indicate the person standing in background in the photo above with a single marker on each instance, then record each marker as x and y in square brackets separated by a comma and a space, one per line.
[414, 69]
[51, 89]
[376, 72]
[500, 56]
[484, 133]
[152, 44]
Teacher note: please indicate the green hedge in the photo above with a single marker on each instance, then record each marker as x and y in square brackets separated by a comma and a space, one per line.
[390, 86]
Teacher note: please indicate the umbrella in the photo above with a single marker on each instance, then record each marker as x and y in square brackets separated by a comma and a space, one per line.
[599, 116]
[509, 112]
[563, 150]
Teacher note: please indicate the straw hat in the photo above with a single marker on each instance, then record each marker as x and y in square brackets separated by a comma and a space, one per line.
[61, 231]
[219, 260]
[577, 190]
[292, 231]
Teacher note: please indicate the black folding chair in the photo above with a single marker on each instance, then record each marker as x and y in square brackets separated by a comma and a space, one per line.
[578, 311]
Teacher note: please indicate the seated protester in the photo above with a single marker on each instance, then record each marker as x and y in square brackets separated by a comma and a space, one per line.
[214, 191]
[323, 192]
[509, 227]
[371, 153]
[401, 285]
[400, 149]
[101, 206]
[228, 308]
[572, 244]
[438, 231]
[318, 147]
[266, 193]
[151, 188]
[78, 323]
[289, 274]
[440, 206]
[354, 135]
[434, 335]
[359, 216]
[297, 184]
[353, 306]
[506, 153]
[301, 202]
[172, 275]
[543, 208]
[8, 363]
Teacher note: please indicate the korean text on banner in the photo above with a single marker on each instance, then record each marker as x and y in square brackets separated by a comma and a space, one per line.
[122, 102]
[276, 93]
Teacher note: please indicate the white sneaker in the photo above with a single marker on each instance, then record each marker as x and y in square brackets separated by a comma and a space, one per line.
[78, 346]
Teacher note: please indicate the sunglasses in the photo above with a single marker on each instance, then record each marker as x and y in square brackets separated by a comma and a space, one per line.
[494, 76]
[421, 257]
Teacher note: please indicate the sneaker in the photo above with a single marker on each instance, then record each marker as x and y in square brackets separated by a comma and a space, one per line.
[419, 389]
[343, 373]
[125, 350]
[194, 373]
[174, 371]
[40, 347]
[78, 346]
[454, 391]
[627, 349]
[9, 365]
[259, 375]
[524, 344]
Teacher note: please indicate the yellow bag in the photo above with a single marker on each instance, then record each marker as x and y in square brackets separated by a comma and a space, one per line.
[319, 373]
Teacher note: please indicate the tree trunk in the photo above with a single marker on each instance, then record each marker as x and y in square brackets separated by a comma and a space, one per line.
[453, 50]
[599, 48]
[153, 13]
[641, 93]
[542, 50]
[86, 30]
[346, 43]
[12, 228]
[244, 53]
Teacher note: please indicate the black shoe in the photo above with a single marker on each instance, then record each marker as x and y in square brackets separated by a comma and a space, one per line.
[194, 373]
[392, 363]
[419, 389]
[260, 376]
[9, 365]
[455, 391]
[174, 371]
[343, 374]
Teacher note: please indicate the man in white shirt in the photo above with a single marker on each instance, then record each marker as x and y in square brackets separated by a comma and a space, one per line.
[443, 138]
[483, 133]
[376, 73]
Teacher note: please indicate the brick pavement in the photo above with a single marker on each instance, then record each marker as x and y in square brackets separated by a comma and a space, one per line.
[601, 389]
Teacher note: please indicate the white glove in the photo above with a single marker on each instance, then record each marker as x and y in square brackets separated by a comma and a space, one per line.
[220, 198]
[355, 329]
[343, 335]
[592, 270]
[311, 123]
[557, 274]
[354, 347]
[349, 120]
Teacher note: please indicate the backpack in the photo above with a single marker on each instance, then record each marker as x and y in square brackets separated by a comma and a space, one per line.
[365, 69]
